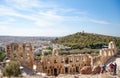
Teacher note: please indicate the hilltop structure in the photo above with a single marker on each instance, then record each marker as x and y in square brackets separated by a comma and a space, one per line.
[56, 64]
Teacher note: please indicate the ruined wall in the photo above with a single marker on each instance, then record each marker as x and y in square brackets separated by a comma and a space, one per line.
[21, 52]
[105, 54]
[55, 64]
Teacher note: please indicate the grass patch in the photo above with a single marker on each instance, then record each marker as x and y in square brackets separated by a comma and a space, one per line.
[93, 52]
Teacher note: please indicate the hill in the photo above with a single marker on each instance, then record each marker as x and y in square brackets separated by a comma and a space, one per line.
[87, 40]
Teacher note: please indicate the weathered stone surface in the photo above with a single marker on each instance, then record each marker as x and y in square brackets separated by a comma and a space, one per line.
[58, 64]
[86, 70]
[96, 70]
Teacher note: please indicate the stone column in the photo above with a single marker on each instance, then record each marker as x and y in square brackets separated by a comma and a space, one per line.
[91, 60]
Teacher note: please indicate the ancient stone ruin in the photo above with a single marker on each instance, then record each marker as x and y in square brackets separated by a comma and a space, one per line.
[56, 64]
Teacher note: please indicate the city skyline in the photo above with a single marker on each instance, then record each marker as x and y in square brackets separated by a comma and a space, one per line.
[59, 17]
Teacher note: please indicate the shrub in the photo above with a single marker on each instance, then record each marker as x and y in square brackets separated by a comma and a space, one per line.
[12, 69]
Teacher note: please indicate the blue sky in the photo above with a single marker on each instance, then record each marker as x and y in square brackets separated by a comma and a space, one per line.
[59, 17]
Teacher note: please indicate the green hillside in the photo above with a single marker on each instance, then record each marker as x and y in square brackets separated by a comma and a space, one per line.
[87, 40]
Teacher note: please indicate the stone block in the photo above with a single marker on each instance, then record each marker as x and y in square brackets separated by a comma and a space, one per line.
[86, 70]
[96, 70]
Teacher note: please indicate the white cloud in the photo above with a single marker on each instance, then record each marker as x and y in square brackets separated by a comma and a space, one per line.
[99, 21]
[7, 21]
[6, 10]
[28, 4]
[32, 31]
[47, 18]
[2, 28]
[51, 15]
[85, 19]
[44, 23]
[41, 14]
[23, 4]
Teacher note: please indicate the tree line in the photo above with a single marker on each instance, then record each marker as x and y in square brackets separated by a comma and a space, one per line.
[82, 40]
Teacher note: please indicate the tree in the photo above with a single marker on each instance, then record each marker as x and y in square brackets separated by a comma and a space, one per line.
[12, 69]
[49, 48]
[2, 56]
[86, 40]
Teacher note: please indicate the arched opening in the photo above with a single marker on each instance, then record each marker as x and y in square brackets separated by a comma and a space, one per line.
[77, 69]
[55, 61]
[52, 71]
[55, 72]
[66, 70]
[59, 70]
[71, 70]
[66, 60]
[15, 47]
[48, 72]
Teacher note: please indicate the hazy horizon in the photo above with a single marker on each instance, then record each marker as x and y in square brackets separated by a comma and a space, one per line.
[54, 36]
[57, 18]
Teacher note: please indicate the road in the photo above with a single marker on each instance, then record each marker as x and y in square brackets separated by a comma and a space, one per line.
[27, 71]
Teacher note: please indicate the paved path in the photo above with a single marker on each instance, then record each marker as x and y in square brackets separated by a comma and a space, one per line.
[115, 59]
[27, 71]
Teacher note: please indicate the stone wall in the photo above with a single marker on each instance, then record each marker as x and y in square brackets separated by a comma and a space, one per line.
[105, 54]
[21, 52]
[55, 64]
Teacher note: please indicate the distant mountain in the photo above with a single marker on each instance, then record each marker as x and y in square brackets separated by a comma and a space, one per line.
[87, 40]
[23, 38]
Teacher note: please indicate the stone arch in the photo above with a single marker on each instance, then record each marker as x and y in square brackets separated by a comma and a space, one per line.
[71, 59]
[77, 69]
[66, 69]
[59, 70]
[74, 69]
[48, 72]
[112, 52]
[67, 60]
[71, 69]
[105, 53]
[52, 71]
[55, 51]
[63, 70]
[55, 71]
[101, 52]
[15, 46]
[112, 45]
[109, 52]
[77, 59]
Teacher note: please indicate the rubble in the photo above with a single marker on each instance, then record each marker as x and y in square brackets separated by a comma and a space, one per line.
[96, 70]
[86, 70]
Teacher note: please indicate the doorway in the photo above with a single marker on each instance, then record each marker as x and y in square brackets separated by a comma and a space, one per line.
[77, 69]
[66, 70]
[55, 72]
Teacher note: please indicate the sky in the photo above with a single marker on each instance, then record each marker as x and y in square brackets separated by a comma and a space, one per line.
[59, 17]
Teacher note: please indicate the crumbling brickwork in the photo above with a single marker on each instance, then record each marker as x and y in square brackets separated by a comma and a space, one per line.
[21, 52]
[55, 64]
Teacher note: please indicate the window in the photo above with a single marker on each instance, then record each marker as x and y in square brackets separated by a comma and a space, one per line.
[77, 60]
[71, 60]
[72, 65]
[66, 60]
[55, 61]
[62, 61]
[45, 67]
[15, 46]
